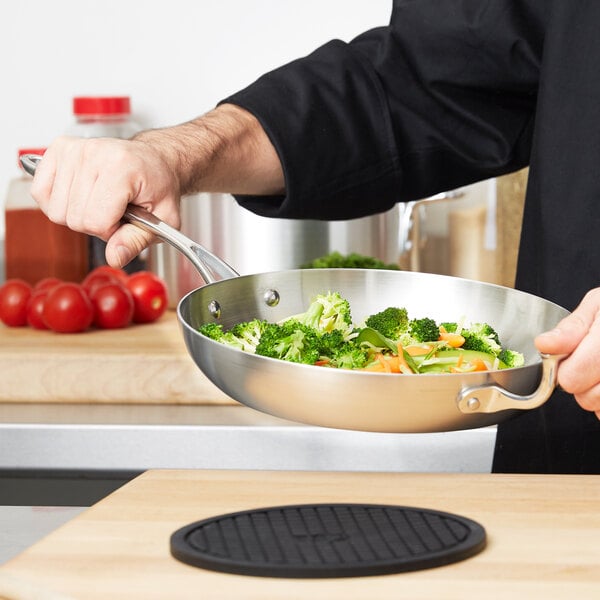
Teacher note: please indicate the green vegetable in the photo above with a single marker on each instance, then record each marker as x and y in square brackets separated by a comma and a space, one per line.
[324, 334]
[349, 356]
[213, 331]
[442, 361]
[291, 341]
[326, 313]
[481, 337]
[335, 260]
[424, 330]
[391, 322]
[244, 336]
[249, 333]
[216, 332]
[376, 339]
[511, 358]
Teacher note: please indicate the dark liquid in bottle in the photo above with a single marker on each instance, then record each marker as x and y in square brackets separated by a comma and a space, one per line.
[37, 248]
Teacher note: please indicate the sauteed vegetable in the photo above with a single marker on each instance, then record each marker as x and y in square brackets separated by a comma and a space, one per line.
[389, 341]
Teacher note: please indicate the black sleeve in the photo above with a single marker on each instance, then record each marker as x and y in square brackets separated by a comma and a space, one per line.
[442, 97]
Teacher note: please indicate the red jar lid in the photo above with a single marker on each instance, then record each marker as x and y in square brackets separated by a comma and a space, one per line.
[101, 105]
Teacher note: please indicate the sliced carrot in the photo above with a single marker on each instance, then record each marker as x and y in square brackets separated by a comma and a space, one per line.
[480, 365]
[454, 340]
[384, 363]
[394, 363]
[404, 366]
[418, 350]
[473, 365]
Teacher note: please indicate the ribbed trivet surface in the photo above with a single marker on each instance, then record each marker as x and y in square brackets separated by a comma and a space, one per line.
[327, 540]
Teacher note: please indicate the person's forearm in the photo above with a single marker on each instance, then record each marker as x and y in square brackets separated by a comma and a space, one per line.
[225, 150]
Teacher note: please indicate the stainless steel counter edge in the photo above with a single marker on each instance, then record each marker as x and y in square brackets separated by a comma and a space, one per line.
[136, 447]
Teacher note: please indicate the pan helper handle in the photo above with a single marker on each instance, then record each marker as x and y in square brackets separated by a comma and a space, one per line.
[493, 398]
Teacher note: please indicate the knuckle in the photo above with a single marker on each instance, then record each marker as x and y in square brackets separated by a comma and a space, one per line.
[73, 221]
[56, 214]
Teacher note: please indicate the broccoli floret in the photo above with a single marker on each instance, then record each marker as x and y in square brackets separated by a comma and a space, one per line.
[483, 329]
[244, 336]
[511, 358]
[291, 341]
[350, 356]
[424, 330]
[391, 322]
[311, 318]
[218, 334]
[213, 331]
[327, 312]
[335, 260]
[331, 342]
[231, 340]
[249, 333]
[336, 313]
[481, 337]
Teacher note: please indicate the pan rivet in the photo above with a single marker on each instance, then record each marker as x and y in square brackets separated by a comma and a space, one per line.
[214, 308]
[271, 297]
[473, 403]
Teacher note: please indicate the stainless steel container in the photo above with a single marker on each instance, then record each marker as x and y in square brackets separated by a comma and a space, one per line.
[254, 244]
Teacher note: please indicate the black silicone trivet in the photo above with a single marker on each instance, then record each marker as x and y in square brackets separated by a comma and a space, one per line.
[327, 540]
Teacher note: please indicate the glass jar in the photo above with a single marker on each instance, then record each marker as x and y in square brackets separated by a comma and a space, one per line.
[34, 246]
[104, 116]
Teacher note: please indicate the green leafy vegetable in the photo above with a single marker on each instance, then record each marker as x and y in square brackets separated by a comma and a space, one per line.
[388, 341]
[336, 260]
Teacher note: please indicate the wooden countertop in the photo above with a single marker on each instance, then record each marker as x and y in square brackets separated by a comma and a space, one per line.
[141, 364]
[543, 538]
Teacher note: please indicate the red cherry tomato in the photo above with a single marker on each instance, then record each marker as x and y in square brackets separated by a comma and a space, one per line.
[113, 306]
[68, 309]
[35, 309]
[14, 295]
[46, 283]
[97, 279]
[118, 274]
[149, 296]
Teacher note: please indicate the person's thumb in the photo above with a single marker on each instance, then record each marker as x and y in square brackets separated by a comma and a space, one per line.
[125, 244]
[567, 335]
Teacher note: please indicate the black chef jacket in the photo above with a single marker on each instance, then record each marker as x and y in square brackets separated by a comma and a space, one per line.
[449, 93]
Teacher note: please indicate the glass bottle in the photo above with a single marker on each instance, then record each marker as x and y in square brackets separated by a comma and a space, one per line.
[34, 246]
[104, 116]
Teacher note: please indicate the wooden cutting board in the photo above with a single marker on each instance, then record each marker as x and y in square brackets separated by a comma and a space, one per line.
[140, 364]
[543, 538]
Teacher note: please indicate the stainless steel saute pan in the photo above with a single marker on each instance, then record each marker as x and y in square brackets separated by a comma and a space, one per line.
[356, 399]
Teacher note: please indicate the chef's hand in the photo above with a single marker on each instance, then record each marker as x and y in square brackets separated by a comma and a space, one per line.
[578, 335]
[86, 184]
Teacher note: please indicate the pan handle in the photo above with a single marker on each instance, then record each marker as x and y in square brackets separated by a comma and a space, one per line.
[210, 267]
[493, 398]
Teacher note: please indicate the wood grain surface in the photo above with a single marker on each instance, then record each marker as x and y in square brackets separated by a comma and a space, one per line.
[140, 364]
[543, 538]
